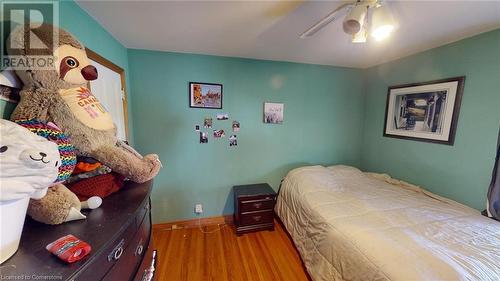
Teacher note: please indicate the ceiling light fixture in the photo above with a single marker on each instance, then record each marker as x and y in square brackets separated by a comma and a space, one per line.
[362, 16]
[361, 36]
[355, 19]
[383, 23]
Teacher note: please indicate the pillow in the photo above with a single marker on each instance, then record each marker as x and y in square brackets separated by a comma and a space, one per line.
[345, 170]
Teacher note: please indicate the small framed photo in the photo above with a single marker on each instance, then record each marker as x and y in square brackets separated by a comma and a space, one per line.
[219, 134]
[205, 95]
[222, 116]
[236, 126]
[9, 94]
[273, 112]
[424, 111]
[207, 123]
[203, 137]
[233, 140]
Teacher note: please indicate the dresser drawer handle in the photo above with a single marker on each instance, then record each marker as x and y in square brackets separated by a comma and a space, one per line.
[139, 250]
[257, 218]
[257, 205]
[117, 251]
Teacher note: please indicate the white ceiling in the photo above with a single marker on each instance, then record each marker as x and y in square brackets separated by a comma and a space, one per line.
[270, 29]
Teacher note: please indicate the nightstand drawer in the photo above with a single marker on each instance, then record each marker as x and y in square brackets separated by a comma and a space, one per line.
[257, 205]
[257, 217]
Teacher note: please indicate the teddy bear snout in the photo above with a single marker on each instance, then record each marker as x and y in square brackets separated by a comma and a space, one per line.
[37, 159]
[89, 73]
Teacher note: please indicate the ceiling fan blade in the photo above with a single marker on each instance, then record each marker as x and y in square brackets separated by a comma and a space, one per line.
[335, 14]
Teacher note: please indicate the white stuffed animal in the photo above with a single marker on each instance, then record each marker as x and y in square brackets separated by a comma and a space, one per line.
[29, 164]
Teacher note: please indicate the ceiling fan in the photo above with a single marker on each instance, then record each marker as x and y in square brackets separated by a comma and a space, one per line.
[362, 17]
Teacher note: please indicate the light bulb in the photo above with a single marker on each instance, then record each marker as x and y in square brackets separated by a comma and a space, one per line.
[382, 32]
[382, 24]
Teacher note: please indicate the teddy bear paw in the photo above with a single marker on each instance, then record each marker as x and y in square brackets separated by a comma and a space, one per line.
[154, 163]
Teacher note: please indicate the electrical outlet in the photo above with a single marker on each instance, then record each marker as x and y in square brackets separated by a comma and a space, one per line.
[198, 208]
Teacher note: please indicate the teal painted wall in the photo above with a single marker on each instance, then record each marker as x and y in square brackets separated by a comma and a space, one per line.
[323, 125]
[6, 109]
[91, 34]
[463, 171]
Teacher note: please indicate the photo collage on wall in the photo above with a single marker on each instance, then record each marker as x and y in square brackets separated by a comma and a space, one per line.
[209, 95]
[217, 132]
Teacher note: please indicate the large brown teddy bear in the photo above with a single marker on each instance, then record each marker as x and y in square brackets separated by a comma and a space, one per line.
[60, 95]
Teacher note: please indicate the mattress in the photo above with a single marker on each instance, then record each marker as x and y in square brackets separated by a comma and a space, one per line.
[348, 225]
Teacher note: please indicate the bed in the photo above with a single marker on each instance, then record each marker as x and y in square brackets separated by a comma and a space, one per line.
[350, 225]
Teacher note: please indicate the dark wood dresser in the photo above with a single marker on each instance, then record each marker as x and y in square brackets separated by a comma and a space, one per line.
[253, 207]
[119, 233]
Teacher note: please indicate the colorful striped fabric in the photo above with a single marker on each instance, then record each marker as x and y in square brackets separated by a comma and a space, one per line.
[66, 149]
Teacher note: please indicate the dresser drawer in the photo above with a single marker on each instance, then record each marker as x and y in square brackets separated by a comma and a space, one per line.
[257, 204]
[127, 265]
[106, 260]
[257, 217]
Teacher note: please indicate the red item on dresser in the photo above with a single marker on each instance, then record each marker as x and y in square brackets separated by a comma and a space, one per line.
[101, 186]
[69, 248]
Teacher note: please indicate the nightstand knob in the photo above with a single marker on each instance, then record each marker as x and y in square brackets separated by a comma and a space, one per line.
[257, 205]
[257, 218]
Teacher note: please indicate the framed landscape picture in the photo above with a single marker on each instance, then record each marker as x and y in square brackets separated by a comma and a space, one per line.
[205, 95]
[424, 111]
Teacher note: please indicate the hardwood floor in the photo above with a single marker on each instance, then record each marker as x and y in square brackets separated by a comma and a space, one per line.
[189, 255]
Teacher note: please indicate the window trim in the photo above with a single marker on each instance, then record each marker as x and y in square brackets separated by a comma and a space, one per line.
[105, 62]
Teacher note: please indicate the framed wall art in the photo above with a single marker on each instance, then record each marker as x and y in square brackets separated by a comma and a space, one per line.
[205, 95]
[273, 112]
[424, 111]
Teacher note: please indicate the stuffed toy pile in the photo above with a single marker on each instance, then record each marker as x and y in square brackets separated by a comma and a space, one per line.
[60, 204]
[60, 96]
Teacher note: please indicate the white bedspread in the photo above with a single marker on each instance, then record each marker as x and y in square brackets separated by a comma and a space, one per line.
[348, 225]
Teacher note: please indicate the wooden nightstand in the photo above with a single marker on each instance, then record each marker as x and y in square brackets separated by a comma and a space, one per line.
[253, 207]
